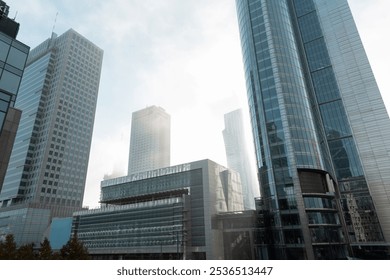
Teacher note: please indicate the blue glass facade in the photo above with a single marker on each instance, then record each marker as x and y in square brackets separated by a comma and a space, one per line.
[13, 56]
[342, 147]
[304, 143]
[30, 102]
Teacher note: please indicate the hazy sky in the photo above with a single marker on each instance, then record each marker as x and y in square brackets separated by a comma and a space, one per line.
[182, 55]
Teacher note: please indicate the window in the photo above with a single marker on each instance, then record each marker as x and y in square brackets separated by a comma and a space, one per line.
[17, 58]
[4, 47]
[317, 54]
[310, 27]
[335, 120]
[9, 82]
[325, 85]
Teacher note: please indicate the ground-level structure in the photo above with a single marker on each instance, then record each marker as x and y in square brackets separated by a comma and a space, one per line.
[168, 213]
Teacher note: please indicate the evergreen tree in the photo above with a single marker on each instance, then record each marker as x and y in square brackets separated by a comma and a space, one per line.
[74, 250]
[45, 252]
[2, 251]
[26, 252]
[57, 256]
[8, 248]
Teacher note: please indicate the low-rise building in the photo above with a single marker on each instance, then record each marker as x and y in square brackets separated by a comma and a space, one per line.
[168, 213]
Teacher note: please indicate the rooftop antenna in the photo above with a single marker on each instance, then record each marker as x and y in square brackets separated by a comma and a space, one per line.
[54, 25]
[15, 15]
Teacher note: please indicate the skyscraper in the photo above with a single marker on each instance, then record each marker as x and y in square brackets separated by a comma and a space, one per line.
[58, 96]
[13, 56]
[237, 155]
[150, 140]
[321, 129]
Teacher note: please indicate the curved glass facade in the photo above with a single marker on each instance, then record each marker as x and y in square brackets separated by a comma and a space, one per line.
[284, 127]
[341, 143]
[303, 138]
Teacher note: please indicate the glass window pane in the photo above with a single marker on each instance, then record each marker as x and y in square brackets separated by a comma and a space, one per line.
[3, 105]
[17, 58]
[4, 48]
[345, 158]
[2, 117]
[325, 85]
[317, 54]
[310, 27]
[9, 82]
[303, 6]
[335, 120]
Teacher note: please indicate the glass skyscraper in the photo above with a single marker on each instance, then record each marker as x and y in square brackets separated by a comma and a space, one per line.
[13, 56]
[57, 96]
[237, 155]
[150, 140]
[320, 127]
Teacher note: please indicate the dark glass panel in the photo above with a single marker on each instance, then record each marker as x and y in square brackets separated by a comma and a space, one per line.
[293, 236]
[345, 158]
[325, 85]
[303, 6]
[310, 27]
[317, 54]
[335, 120]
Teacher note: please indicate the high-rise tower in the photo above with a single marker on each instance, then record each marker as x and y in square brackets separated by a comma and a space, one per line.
[237, 155]
[58, 96]
[13, 56]
[150, 140]
[321, 129]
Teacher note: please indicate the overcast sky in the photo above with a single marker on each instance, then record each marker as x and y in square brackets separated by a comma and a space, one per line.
[182, 55]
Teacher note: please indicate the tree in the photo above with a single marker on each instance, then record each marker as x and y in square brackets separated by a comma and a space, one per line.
[74, 250]
[45, 252]
[8, 248]
[26, 252]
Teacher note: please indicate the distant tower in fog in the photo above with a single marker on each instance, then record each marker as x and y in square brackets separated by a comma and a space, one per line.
[150, 140]
[238, 156]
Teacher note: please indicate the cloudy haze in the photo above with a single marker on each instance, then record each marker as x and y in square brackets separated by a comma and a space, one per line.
[182, 55]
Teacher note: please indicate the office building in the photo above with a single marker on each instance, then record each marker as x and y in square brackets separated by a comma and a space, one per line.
[58, 95]
[238, 157]
[13, 56]
[321, 130]
[239, 236]
[150, 140]
[166, 213]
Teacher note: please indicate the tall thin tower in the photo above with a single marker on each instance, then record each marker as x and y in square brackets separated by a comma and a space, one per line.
[150, 140]
[238, 157]
[321, 130]
[58, 96]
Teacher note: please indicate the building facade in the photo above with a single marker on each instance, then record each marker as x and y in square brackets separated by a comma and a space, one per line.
[320, 127]
[27, 224]
[150, 140]
[58, 95]
[13, 56]
[238, 157]
[168, 213]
